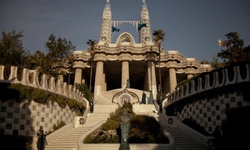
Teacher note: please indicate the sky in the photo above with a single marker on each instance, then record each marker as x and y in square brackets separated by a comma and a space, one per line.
[192, 27]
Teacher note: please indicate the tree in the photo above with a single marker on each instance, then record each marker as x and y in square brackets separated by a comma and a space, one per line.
[158, 38]
[36, 61]
[216, 64]
[91, 49]
[11, 49]
[58, 52]
[70, 63]
[235, 52]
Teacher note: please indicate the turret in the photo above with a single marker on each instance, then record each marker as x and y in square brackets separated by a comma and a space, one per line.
[106, 27]
[145, 32]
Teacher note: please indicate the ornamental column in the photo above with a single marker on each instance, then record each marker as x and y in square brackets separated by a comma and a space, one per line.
[125, 73]
[189, 76]
[78, 76]
[98, 78]
[172, 79]
[152, 78]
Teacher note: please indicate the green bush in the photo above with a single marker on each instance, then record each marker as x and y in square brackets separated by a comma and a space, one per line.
[143, 129]
[83, 88]
[146, 129]
[39, 95]
[17, 92]
[20, 92]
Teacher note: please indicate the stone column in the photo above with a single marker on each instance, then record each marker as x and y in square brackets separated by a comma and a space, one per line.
[189, 76]
[172, 79]
[98, 78]
[125, 73]
[152, 78]
[104, 83]
[78, 76]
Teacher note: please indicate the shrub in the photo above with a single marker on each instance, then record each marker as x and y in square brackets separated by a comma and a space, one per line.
[146, 129]
[143, 129]
[39, 95]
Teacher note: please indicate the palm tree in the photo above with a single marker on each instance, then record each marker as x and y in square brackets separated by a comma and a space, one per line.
[91, 49]
[36, 61]
[158, 38]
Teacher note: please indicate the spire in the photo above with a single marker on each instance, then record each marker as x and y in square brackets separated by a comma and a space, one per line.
[144, 5]
[107, 4]
[145, 33]
[105, 34]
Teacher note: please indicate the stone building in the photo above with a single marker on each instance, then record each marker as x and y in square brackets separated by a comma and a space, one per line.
[115, 63]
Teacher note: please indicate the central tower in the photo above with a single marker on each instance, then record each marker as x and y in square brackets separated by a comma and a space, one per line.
[109, 26]
[116, 63]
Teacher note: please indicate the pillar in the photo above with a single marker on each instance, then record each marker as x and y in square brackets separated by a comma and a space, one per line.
[152, 78]
[172, 79]
[189, 76]
[78, 76]
[125, 73]
[98, 78]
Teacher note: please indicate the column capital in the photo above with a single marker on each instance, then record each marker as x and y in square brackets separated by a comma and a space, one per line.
[79, 64]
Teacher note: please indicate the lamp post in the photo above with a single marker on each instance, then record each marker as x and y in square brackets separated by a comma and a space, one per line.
[159, 63]
[91, 49]
[91, 71]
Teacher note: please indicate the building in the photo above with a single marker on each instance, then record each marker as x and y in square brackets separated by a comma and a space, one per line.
[115, 63]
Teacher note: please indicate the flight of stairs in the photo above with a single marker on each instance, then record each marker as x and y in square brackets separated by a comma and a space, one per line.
[183, 140]
[68, 140]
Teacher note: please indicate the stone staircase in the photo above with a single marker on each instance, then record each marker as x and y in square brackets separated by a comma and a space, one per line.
[183, 140]
[68, 140]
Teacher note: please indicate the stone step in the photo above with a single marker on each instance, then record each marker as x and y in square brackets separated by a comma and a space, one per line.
[68, 140]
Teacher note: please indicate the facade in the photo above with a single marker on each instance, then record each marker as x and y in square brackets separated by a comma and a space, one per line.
[115, 63]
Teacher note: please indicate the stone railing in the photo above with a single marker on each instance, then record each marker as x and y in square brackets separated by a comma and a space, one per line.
[209, 81]
[31, 78]
[206, 99]
[24, 118]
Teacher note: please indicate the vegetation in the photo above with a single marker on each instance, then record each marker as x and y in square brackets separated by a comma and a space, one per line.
[20, 92]
[83, 88]
[143, 129]
[57, 62]
[12, 52]
[91, 49]
[158, 38]
[235, 52]
[59, 51]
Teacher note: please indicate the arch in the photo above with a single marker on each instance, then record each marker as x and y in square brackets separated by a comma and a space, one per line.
[125, 97]
[126, 38]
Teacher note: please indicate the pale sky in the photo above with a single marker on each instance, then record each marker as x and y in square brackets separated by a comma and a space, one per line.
[192, 27]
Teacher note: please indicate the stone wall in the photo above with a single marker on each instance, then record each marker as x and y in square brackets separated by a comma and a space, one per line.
[207, 99]
[25, 118]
